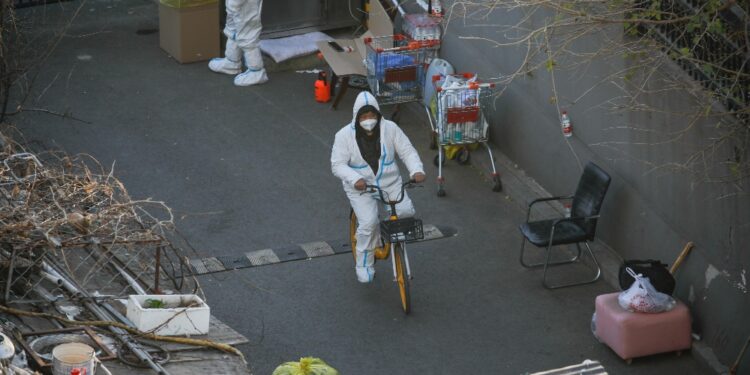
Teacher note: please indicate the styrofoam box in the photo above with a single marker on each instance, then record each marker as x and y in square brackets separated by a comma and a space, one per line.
[171, 320]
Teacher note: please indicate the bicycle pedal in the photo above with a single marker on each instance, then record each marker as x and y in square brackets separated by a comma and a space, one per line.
[381, 253]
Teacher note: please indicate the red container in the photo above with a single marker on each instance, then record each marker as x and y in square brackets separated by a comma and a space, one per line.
[322, 88]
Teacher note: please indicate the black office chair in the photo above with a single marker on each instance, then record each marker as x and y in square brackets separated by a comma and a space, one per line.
[579, 227]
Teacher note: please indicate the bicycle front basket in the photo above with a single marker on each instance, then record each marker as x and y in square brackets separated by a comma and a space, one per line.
[407, 229]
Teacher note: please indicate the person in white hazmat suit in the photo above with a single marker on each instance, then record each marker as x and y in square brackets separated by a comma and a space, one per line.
[364, 153]
[243, 43]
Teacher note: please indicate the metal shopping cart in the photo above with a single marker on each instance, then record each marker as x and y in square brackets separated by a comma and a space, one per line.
[458, 121]
[396, 68]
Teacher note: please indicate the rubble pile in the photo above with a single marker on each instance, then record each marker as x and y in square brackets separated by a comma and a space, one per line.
[73, 246]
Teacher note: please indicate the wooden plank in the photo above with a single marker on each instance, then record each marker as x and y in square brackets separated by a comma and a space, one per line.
[350, 63]
[217, 331]
[344, 63]
[587, 367]
[189, 363]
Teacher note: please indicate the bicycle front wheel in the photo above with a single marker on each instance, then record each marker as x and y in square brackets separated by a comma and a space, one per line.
[402, 279]
[353, 233]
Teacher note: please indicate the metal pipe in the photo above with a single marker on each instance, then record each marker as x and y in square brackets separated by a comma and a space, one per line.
[143, 355]
[131, 281]
[121, 334]
[44, 293]
[63, 282]
[122, 318]
[10, 275]
[398, 6]
[52, 278]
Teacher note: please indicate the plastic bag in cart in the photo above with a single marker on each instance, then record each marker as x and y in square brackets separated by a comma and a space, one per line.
[387, 60]
[453, 81]
[643, 297]
[458, 98]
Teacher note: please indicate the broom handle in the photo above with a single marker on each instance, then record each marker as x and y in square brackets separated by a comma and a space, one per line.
[681, 257]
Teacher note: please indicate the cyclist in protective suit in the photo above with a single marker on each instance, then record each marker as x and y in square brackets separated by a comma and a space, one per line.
[364, 153]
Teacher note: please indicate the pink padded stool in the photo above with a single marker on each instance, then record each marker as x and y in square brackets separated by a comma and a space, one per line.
[633, 335]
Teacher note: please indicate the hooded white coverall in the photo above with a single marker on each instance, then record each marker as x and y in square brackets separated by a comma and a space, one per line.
[348, 164]
[242, 29]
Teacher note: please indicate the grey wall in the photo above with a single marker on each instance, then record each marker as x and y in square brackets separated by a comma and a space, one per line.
[653, 207]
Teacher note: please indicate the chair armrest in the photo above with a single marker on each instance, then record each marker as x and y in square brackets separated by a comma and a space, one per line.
[535, 201]
[564, 219]
[558, 221]
[558, 198]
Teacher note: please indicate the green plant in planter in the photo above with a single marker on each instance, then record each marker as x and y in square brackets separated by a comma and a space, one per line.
[154, 304]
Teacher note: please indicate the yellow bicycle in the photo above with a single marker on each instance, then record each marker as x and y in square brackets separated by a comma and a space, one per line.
[394, 234]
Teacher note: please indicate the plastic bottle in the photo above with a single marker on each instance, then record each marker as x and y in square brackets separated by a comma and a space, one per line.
[437, 8]
[458, 135]
[567, 127]
[433, 33]
[322, 88]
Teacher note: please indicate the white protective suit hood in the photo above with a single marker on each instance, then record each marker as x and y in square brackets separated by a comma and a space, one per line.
[348, 165]
[364, 98]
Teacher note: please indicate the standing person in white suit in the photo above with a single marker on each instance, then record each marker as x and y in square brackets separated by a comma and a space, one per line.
[242, 29]
[364, 153]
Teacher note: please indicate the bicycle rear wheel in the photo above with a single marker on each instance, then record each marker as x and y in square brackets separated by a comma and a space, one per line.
[402, 279]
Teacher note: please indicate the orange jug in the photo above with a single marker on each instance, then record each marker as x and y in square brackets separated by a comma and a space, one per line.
[322, 88]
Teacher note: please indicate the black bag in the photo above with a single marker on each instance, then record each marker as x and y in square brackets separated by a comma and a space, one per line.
[655, 270]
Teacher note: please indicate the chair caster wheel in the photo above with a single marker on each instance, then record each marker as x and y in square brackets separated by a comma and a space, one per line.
[463, 156]
[498, 185]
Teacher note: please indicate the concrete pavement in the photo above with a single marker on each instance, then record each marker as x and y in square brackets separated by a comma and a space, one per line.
[247, 169]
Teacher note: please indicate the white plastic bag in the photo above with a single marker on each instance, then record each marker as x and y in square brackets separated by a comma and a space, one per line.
[643, 297]
[593, 327]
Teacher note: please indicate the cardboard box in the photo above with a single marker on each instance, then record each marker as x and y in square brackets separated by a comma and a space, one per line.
[190, 34]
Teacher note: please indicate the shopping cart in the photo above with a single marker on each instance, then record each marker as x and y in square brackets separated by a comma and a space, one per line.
[396, 68]
[457, 119]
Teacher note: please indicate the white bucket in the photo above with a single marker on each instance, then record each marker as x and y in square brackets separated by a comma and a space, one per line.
[71, 356]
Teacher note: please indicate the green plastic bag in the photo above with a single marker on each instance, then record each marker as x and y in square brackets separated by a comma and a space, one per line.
[186, 3]
[306, 366]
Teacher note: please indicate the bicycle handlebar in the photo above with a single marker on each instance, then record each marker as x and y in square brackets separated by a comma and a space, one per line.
[374, 188]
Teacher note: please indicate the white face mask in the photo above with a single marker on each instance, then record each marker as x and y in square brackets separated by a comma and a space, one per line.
[368, 124]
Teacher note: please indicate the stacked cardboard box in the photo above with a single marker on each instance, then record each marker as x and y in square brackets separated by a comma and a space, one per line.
[189, 33]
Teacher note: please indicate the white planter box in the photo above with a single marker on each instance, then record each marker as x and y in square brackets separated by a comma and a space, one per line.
[174, 319]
